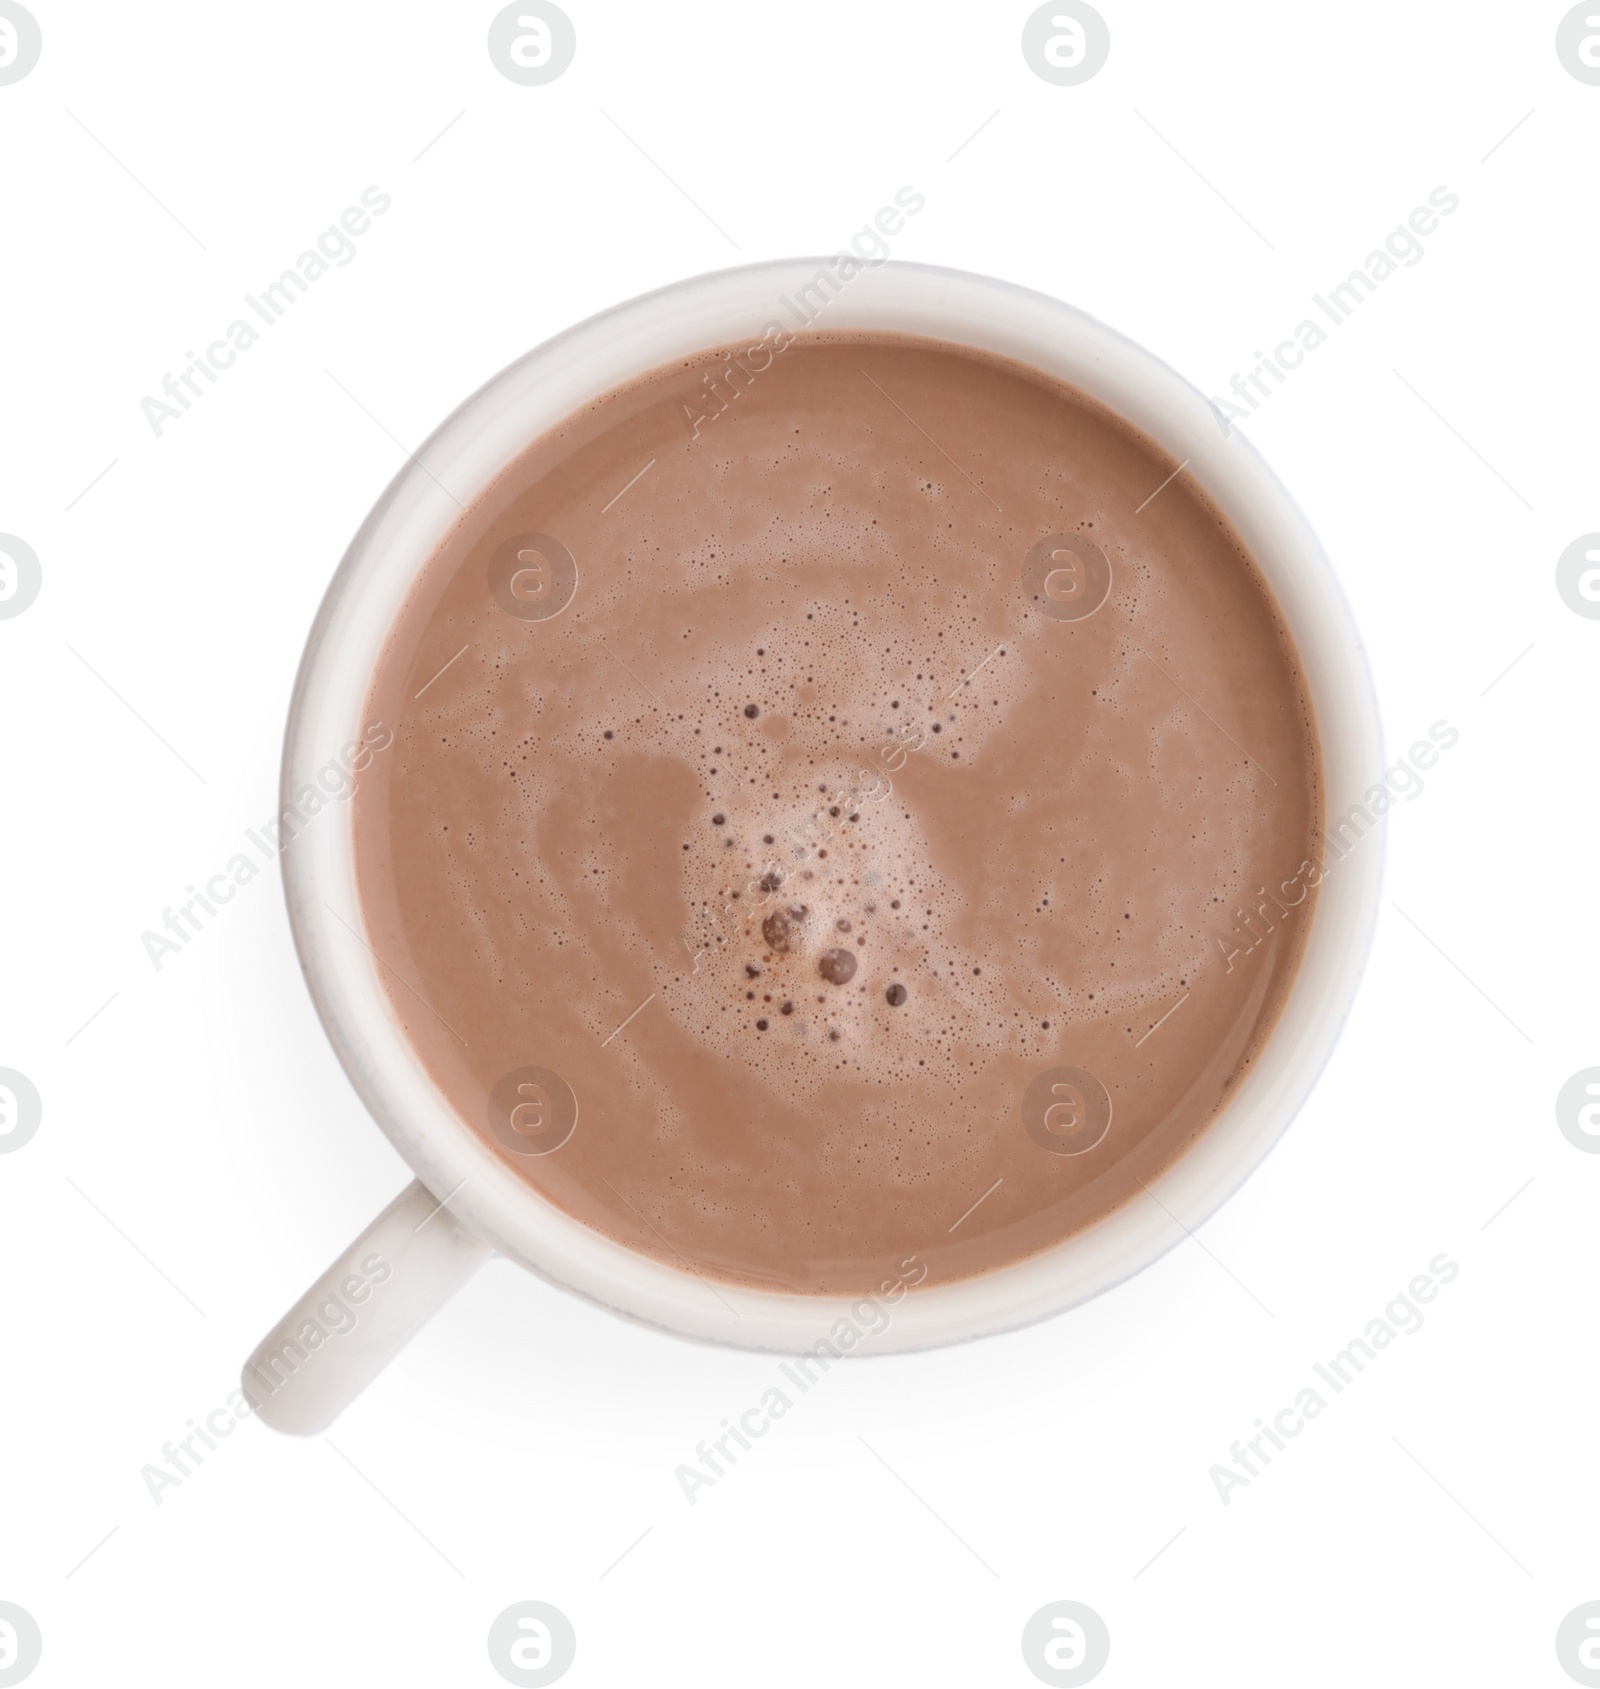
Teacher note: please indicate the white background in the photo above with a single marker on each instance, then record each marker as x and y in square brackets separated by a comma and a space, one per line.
[528, 1438]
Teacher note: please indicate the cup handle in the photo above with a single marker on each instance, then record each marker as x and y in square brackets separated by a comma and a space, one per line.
[361, 1313]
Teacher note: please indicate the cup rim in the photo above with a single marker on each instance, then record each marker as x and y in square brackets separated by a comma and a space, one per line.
[463, 456]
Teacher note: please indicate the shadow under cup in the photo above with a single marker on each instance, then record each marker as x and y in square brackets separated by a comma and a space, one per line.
[489, 1205]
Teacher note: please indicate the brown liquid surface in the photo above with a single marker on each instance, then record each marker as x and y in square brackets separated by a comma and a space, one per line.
[809, 834]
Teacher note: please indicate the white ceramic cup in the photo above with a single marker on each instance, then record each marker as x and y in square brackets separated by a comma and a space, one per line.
[467, 1204]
